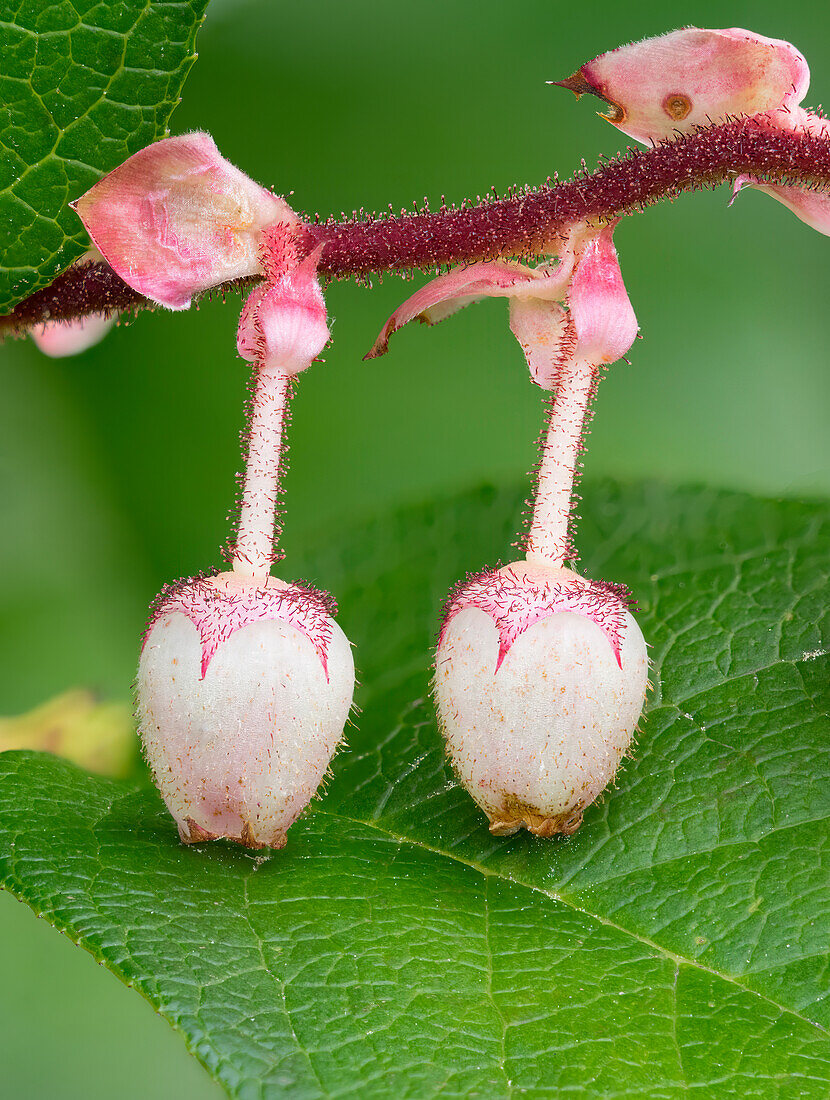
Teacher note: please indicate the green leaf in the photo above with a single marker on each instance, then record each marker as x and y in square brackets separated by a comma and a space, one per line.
[676, 945]
[84, 85]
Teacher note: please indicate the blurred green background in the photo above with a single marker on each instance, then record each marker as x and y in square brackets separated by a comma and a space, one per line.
[117, 468]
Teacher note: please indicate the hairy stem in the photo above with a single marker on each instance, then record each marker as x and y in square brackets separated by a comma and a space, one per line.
[525, 223]
[254, 550]
[549, 540]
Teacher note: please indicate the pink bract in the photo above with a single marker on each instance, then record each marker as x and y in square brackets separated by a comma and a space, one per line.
[177, 218]
[602, 314]
[811, 206]
[546, 333]
[447, 294]
[692, 77]
[715, 74]
[599, 325]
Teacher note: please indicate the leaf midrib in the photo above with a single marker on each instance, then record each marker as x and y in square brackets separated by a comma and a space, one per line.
[553, 895]
[278, 982]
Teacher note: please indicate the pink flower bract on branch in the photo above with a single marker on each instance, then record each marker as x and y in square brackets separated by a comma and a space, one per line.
[177, 218]
[715, 74]
[599, 325]
[447, 294]
[692, 77]
[546, 333]
[811, 207]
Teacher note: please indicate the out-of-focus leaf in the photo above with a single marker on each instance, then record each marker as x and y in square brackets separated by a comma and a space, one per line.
[95, 735]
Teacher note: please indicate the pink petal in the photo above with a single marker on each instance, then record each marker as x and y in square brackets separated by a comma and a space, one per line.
[602, 314]
[443, 296]
[547, 335]
[176, 218]
[62, 338]
[283, 324]
[692, 77]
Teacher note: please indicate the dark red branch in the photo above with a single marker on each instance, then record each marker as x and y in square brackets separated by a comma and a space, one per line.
[526, 223]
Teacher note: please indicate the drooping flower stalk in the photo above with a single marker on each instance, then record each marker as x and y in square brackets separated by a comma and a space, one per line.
[549, 539]
[254, 547]
[540, 673]
[245, 681]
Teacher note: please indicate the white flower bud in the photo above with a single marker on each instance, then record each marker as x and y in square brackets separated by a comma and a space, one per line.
[540, 680]
[243, 692]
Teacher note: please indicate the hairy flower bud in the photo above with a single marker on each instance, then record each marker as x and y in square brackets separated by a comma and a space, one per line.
[243, 688]
[540, 677]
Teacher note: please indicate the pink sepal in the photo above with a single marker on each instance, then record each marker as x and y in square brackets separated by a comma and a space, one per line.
[283, 324]
[602, 314]
[58, 339]
[218, 608]
[515, 602]
[692, 77]
[177, 218]
[442, 297]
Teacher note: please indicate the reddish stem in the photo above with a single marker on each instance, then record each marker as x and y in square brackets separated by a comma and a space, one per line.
[525, 223]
